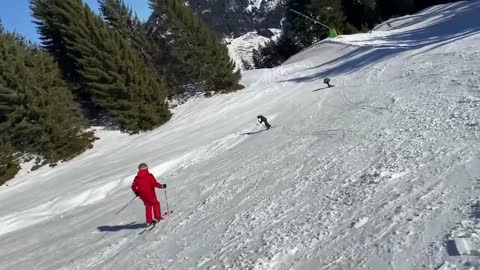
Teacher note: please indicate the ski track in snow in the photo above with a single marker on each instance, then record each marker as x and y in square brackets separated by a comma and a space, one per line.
[374, 173]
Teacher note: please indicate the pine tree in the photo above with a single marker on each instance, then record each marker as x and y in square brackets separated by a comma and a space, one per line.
[361, 13]
[8, 165]
[387, 9]
[267, 56]
[197, 47]
[108, 71]
[294, 23]
[122, 19]
[329, 12]
[37, 111]
[274, 53]
[52, 30]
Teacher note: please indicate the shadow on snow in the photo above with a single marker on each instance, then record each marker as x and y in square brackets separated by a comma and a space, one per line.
[253, 132]
[116, 228]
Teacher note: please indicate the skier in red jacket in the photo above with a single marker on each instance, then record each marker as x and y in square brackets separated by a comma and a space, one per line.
[144, 186]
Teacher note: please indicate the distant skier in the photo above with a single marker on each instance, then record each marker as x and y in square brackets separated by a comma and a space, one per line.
[263, 120]
[144, 186]
[327, 82]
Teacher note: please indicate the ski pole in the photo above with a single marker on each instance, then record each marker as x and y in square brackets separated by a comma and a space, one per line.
[125, 206]
[166, 199]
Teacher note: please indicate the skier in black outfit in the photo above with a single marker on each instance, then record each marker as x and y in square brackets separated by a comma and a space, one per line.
[263, 120]
[327, 82]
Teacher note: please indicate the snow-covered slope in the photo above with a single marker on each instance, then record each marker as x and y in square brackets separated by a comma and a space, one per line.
[374, 173]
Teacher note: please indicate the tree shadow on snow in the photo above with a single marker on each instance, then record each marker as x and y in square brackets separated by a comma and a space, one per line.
[423, 15]
[116, 228]
[459, 23]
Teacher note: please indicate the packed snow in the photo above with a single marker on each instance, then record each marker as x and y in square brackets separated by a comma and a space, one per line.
[381, 171]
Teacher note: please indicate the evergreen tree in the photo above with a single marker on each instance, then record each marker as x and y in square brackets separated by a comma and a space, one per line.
[8, 165]
[305, 32]
[107, 70]
[121, 18]
[386, 8]
[52, 28]
[274, 53]
[37, 111]
[361, 13]
[197, 47]
[294, 23]
[166, 55]
[267, 56]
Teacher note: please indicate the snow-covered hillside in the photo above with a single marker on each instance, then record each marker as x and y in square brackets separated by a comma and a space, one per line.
[266, 5]
[381, 171]
[234, 18]
[241, 49]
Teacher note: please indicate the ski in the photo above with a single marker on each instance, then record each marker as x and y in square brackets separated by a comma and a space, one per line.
[151, 227]
[165, 214]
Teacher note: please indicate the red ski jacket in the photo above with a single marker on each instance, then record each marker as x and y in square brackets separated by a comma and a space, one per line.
[145, 184]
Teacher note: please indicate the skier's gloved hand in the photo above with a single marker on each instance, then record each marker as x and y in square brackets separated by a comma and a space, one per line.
[136, 193]
[164, 186]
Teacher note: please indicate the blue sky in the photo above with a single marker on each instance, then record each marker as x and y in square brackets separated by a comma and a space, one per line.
[15, 15]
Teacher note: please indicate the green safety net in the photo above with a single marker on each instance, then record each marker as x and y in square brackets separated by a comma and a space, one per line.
[332, 32]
